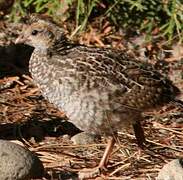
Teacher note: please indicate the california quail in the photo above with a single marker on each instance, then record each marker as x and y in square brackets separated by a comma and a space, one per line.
[101, 90]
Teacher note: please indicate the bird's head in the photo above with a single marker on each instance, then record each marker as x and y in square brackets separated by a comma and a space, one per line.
[41, 34]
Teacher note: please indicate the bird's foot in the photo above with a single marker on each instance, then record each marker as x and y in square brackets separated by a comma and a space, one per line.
[91, 173]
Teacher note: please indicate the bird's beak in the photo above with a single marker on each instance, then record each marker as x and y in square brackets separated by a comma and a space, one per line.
[20, 40]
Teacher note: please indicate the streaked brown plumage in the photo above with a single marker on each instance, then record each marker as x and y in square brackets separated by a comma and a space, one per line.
[101, 90]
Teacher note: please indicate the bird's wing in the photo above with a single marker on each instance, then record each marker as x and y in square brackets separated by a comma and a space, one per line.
[127, 79]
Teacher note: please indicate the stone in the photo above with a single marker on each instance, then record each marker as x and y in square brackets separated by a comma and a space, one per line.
[18, 163]
[84, 138]
[172, 170]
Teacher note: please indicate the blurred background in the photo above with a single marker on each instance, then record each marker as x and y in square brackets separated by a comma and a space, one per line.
[153, 17]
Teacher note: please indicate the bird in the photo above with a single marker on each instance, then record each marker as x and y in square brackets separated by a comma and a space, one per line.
[101, 90]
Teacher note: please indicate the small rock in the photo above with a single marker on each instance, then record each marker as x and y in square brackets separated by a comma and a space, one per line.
[84, 138]
[18, 163]
[172, 171]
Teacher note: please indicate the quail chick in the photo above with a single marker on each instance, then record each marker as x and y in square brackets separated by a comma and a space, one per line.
[101, 90]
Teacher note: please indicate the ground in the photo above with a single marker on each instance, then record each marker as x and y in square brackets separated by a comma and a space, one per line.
[27, 117]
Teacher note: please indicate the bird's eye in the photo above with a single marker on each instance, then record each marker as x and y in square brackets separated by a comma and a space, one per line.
[34, 32]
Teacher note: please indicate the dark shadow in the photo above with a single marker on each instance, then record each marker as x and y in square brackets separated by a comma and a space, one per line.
[14, 60]
[38, 129]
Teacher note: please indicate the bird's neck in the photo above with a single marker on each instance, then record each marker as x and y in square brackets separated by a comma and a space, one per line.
[38, 66]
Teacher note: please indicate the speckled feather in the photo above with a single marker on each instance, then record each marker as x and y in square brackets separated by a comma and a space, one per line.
[100, 90]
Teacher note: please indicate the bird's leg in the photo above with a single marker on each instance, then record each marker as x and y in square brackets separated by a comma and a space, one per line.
[107, 152]
[139, 134]
[91, 173]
